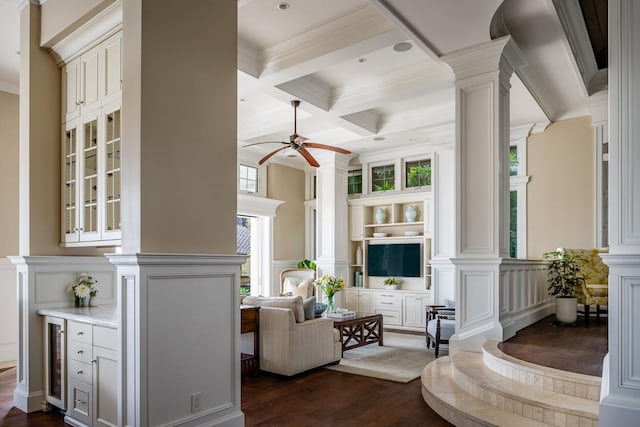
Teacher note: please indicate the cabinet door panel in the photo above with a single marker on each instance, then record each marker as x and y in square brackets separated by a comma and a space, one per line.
[79, 403]
[351, 300]
[70, 90]
[105, 396]
[90, 80]
[112, 67]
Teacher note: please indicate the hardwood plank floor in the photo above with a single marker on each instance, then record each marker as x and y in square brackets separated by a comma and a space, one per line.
[329, 398]
[578, 348]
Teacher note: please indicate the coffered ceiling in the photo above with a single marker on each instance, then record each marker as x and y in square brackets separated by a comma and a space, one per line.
[357, 91]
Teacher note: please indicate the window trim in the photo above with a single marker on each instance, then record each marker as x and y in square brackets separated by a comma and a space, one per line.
[405, 171]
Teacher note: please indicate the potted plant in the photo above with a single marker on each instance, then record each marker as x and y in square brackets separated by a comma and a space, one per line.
[565, 278]
[391, 283]
[306, 263]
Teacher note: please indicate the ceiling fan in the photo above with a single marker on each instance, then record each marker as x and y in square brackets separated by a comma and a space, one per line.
[298, 143]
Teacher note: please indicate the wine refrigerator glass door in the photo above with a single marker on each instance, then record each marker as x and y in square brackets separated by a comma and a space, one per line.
[55, 361]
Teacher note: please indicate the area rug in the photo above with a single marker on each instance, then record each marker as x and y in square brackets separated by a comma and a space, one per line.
[402, 358]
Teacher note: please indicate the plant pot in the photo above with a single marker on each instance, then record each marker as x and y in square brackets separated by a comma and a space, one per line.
[566, 309]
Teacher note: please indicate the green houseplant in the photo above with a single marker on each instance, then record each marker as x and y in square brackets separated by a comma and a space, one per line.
[391, 283]
[565, 278]
[306, 263]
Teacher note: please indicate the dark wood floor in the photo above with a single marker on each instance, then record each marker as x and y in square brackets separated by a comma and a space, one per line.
[329, 398]
[578, 348]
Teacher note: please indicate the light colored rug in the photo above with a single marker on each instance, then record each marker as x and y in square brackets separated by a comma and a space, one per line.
[402, 358]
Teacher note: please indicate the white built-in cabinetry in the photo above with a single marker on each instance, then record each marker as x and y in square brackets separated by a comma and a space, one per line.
[87, 389]
[404, 307]
[91, 146]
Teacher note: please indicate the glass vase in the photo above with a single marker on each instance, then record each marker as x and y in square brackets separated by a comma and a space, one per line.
[330, 307]
[79, 302]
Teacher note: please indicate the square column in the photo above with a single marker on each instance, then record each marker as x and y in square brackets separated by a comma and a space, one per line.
[620, 396]
[481, 206]
[332, 215]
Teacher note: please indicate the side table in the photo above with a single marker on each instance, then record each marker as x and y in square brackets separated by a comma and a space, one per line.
[250, 322]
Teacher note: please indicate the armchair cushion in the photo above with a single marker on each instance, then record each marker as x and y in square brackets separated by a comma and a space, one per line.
[297, 286]
[292, 303]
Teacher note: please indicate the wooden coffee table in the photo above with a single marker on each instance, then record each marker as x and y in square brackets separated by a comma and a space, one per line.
[363, 329]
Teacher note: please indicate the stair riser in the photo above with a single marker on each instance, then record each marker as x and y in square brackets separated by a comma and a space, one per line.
[528, 409]
[525, 375]
[454, 416]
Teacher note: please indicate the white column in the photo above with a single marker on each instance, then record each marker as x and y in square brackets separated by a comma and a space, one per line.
[620, 402]
[444, 225]
[332, 216]
[482, 75]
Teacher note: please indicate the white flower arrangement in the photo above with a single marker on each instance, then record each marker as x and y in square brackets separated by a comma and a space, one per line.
[84, 287]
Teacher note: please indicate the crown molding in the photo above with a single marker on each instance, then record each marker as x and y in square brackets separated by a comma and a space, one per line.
[90, 34]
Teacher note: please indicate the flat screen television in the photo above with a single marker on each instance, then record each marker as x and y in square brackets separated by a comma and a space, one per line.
[397, 259]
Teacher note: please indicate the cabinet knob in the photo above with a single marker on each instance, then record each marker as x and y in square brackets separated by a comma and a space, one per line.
[80, 333]
[79, 372]
[80, 351]
[94, 361]
[82, 402]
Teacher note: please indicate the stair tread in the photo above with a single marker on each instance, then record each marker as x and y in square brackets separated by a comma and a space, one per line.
[438, 381]
[472, 366]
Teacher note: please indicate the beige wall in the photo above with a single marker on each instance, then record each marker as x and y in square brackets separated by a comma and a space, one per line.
[561, 193]
[9, 142]
[61, 17]
[287, 184]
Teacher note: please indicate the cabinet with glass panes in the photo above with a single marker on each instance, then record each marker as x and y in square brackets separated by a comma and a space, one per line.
[91, 183]
[91, 140]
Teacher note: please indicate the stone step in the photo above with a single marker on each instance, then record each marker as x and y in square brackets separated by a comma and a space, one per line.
[541, 377]
[452, 403]
[474, 377]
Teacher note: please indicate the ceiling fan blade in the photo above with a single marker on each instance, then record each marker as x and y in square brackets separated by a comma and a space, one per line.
[313, 162]
[268, 156]
[265, 142]
[325, 147]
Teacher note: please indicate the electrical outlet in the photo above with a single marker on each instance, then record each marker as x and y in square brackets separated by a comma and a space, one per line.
[195, 402]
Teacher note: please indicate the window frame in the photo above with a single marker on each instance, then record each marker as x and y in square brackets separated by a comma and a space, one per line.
[405, 172]
[391, 165]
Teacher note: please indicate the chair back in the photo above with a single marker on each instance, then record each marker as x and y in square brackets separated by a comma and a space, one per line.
[297, 275]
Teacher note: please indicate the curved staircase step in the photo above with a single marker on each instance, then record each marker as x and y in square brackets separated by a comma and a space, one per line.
[452, 403]
[472, 375]
[541, 377]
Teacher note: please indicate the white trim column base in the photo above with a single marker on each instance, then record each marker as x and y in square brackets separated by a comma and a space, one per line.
[179, 336]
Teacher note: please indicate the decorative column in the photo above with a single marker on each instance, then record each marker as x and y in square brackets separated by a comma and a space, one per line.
[332, 216]
[620, 396]
[178, 278]
[482, 76]
[444, 227]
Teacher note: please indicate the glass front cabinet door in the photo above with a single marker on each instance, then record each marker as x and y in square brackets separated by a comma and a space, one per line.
[91, 179]
[54, 343]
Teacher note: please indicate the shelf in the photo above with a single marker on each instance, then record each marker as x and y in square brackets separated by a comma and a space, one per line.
[395, 237]
[394, 224]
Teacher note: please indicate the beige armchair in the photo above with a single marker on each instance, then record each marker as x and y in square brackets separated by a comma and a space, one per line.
[288, 343]
[292, 279]
[595, 290]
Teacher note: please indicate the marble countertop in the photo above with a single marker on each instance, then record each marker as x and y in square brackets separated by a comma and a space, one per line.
[103, 315]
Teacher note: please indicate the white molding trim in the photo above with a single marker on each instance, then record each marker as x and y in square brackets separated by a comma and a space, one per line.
[255, 205]
[90, 34]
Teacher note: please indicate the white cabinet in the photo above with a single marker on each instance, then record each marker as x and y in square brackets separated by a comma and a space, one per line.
[414, 309]
[358, 300]
[92, 79]
[88, 388]
[91, 147]
[105, 375]
[389, 304]
[91, 172]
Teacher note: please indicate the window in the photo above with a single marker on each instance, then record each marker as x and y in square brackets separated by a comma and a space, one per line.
[243, 230]
[513, 160]
[513, 224]
[248, 179]
[418, 173]
[383, 178]
[354, 182]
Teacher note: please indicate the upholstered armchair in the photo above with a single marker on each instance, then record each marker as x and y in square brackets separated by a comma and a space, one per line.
[595, 290]
[298, 281]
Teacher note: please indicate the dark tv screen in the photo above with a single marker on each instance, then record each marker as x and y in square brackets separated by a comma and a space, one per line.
[399, 259]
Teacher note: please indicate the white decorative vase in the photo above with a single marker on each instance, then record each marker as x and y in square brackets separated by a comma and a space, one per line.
[381, 216]
[358, 255]
[566, 309]
[410, 213]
